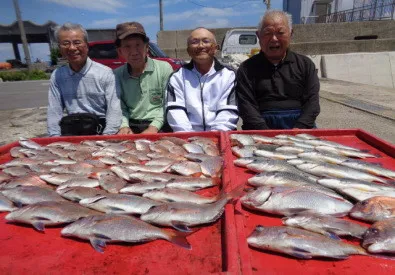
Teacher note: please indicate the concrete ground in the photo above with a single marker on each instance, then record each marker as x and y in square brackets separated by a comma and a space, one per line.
[343, 105]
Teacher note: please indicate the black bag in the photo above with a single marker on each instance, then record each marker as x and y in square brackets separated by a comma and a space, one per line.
[81, 124]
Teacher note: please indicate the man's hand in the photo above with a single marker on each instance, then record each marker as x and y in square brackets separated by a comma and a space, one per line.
[150, 130]
[125, 131]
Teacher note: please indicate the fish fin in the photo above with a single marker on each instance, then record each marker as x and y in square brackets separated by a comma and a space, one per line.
[180, 240]
[39, 226]
[294, 211]
[92, 200]
[301, 253]
[98, 244]
[332, 235]
[196, 175]
[180, 226]
[236, 192]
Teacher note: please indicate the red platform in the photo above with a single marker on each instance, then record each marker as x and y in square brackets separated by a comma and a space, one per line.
[26, 251]
[259, 262]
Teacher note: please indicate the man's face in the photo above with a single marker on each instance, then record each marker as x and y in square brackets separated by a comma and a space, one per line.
[134, 50]
[202, 46]
[73, 47]
[275, 37]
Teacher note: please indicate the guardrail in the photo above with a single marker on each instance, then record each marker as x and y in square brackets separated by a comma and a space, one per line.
[376, 11]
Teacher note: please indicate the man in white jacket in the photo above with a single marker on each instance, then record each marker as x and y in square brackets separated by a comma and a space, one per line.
[201, 94]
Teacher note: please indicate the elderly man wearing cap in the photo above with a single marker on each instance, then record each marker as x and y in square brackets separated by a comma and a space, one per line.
[142, 81]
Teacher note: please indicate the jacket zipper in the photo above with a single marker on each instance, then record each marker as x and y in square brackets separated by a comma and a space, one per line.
[201, 100]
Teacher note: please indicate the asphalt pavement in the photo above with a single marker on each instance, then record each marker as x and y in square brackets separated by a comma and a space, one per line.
[344, 105]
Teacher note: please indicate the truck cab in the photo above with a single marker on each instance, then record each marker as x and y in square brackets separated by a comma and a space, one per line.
[240, 41]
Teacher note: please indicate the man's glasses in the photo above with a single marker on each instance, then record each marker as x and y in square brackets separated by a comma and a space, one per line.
[76, 43]
[204, 41]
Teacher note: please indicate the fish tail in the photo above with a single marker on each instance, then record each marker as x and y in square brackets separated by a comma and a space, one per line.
[180, 239]
[236, 192]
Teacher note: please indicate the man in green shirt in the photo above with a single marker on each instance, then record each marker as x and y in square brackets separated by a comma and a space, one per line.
[142, 81]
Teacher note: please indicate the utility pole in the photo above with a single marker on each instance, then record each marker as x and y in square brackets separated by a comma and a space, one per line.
[23, 35]
[267, 3]
[161, 14]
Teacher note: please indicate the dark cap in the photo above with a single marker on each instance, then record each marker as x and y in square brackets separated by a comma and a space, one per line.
[128, 28]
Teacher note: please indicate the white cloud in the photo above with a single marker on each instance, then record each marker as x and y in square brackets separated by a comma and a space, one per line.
[108, 6]
[112, 22]
[198, 13]
[213, 23]
[105, 23]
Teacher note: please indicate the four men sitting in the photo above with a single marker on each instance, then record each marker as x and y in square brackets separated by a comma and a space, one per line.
[275, 89]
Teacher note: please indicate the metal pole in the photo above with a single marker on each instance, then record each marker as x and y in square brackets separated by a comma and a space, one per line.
[23, 35]
[267, 2]
[161, 14]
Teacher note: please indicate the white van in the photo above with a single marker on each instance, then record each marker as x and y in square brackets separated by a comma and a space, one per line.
[239, 41]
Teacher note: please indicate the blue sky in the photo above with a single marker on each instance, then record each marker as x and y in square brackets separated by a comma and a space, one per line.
[96, 14]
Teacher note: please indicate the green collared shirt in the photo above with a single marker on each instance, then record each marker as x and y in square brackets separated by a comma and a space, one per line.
[142, 97]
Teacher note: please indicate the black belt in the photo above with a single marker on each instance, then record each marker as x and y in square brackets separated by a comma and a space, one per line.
[281, 104]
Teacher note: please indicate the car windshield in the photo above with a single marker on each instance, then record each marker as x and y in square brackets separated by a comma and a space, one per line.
[156, 51]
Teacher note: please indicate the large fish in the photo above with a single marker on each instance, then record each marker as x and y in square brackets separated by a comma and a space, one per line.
[374, 209]
[326, 225]
[100, 230]
[119, 204]
[241, 140]
[6, 205]
[380, 237]
[85, 182]
[49, 213]
[372, 168]
[274, 154]
[357, 189]
[30, 144]
[300, 243]
[337, 171]
[29, 180]
[321, 157]
[289, 179]
[180, 215]
[186, 168]
[31, 194]
[78, 193]
[282, 200]
[142, 187]
[344, 152]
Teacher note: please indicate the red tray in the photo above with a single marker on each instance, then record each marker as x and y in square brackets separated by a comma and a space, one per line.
[214, 247]
[259, 262]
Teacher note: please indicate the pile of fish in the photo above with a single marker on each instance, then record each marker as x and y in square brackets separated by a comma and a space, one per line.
[115, 190]
[313, 183]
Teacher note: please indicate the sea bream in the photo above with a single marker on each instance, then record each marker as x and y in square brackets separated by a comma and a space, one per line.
[325, 225]
[119, 204]
[280, 178]
[374, 209]
[283, 200]
[300, 243]
[337, 171]
[49, 213]
[78, 193]
[31, 194]
[380, 237]
[6, 205]
[110, 228]
[358, 190]
[180, 215]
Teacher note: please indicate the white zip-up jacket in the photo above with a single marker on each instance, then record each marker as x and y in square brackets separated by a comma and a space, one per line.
[198, 102]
